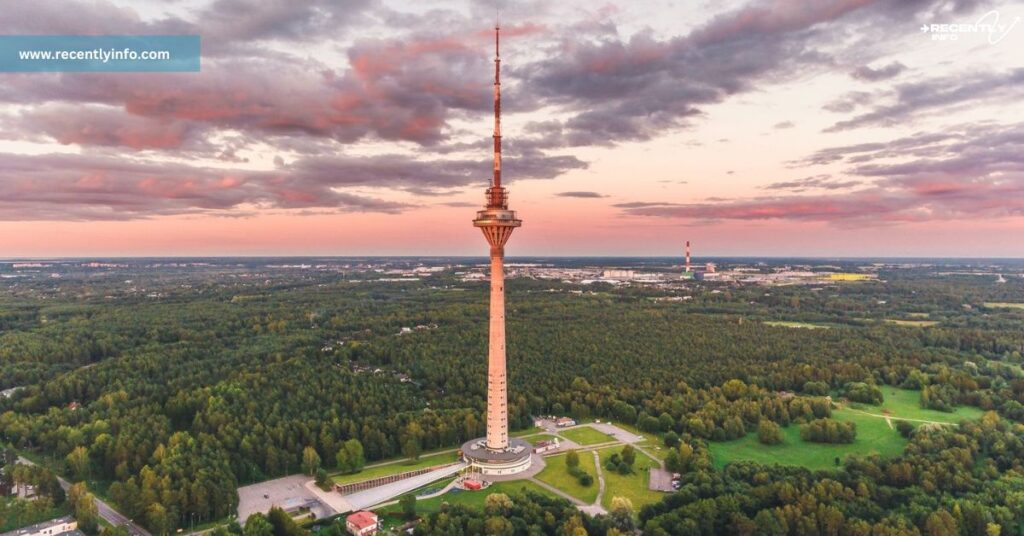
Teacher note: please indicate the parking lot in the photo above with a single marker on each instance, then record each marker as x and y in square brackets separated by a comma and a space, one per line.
[282, 492]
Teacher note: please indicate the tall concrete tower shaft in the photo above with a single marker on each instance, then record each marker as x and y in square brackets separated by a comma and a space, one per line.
[497, 223]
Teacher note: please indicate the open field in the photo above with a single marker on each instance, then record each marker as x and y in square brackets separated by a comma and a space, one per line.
[632, 486]
[911, 323]
[874, 434]
[789, 324]
[397, 467]
[557, 474]
[873, 437]
[469, 498]
[585, 435]
[1003, 305]
[906, 404]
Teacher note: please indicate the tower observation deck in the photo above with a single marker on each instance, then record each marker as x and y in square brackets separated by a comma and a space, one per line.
[496, 454]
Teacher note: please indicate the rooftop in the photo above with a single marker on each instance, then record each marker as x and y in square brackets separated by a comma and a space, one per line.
[39, 527]
[362, 519]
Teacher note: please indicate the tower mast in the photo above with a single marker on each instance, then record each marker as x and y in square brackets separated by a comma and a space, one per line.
[497, 223]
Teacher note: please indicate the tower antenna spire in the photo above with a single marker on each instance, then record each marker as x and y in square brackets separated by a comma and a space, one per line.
[496, 181]
[499, 455]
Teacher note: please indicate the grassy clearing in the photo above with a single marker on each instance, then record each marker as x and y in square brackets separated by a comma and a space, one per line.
[557, 474]
[1003, 305]
[911, 323]
[397, 467]
[585, 435]
[906, 404]
[789, 324]
[470, 498]
[874, 435]
[633, 486]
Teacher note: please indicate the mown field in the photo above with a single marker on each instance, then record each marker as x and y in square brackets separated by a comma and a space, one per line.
[632, 486]
[556, 473]
[585, 435]
[874, 434]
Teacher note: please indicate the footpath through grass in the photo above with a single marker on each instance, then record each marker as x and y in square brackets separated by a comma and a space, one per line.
[906, 404]
[556, 473]
[875, 435]
[632, 486]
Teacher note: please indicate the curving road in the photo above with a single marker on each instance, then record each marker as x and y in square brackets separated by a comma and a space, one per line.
[105, 511]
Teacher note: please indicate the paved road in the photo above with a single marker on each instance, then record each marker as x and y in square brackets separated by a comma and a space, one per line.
[363, 500]
[106, 512]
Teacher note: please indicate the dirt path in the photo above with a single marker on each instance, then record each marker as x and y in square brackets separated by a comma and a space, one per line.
[600, 480]
[890, 418]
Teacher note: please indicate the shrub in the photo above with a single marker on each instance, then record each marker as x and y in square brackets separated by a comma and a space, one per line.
[828, 431]
[769, 433]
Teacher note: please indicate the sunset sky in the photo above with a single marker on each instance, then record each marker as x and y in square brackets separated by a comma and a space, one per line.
[362, 127]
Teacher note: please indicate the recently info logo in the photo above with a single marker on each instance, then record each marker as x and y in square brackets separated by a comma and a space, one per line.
[990, 24]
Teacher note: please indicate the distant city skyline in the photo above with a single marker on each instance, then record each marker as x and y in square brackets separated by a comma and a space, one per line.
[830, 128]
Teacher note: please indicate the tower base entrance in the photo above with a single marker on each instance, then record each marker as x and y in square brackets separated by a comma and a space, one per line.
[515, 459]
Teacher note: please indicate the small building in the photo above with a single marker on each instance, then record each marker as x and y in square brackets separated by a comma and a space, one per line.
[362, 523]
[565, 421]
[544, 446]
[62, 526]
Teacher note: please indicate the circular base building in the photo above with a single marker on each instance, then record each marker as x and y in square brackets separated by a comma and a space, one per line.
[514, 459]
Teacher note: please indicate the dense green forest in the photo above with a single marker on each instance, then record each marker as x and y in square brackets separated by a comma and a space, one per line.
[167, 390]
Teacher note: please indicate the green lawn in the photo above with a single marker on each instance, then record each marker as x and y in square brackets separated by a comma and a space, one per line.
[873, 435]
[906, 403]
[585, 435]
[470, 498]
[788, 324]
[398, 467]
[556, 473]
[1003, 305]
[633, 486]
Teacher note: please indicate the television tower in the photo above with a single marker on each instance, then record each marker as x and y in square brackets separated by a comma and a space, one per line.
[687, 255]
[497, 223]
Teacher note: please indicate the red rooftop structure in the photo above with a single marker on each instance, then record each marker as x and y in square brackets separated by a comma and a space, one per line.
[362, 523]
